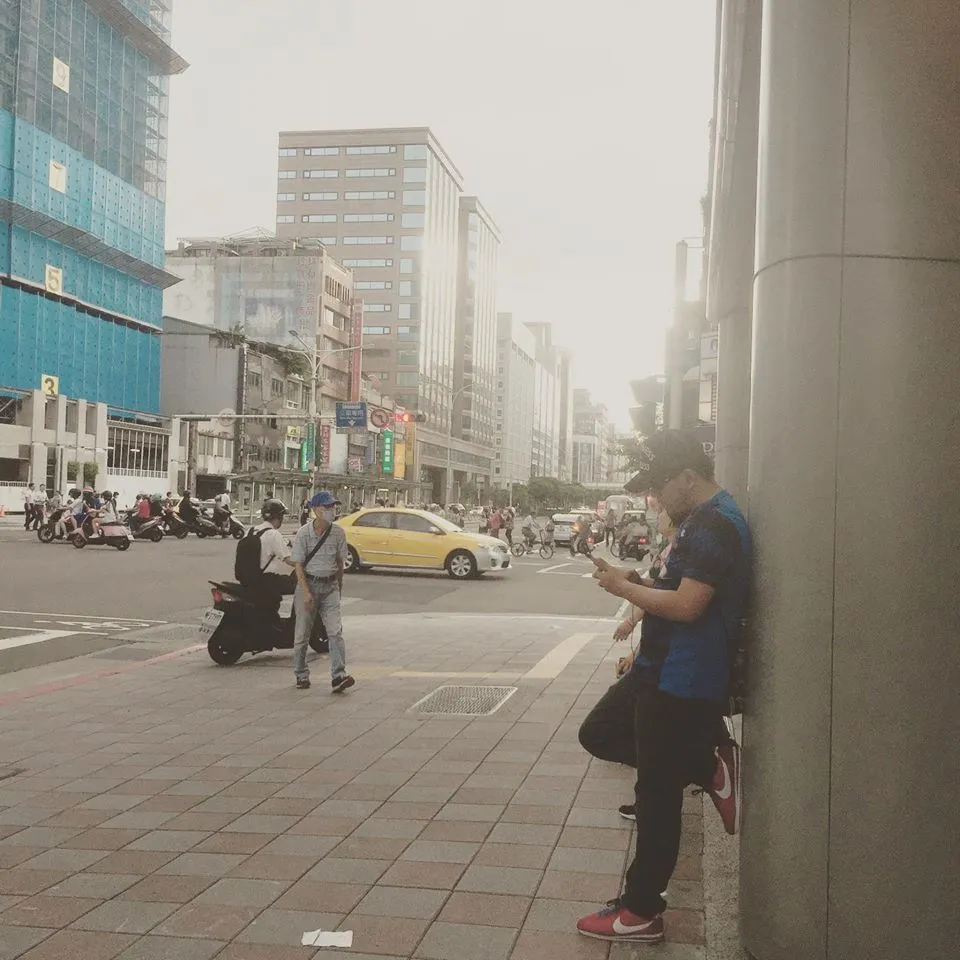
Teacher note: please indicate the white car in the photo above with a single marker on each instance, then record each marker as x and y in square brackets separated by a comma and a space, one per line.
[563, 528]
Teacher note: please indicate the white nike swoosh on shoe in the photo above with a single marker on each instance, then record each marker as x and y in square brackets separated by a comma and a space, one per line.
[723, 793]
[622, 929]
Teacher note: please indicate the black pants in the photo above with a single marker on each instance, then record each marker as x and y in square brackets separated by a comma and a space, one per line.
[27, 515]
[610, 535]
[274, 586]
[508, 533]
[675, 739]
[607, 731]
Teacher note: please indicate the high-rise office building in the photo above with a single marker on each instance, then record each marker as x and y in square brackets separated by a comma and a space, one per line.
[386, 202]
[83, 127]
[515, 401]
[475, 358]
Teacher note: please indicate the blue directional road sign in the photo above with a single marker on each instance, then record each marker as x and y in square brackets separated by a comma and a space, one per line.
[352, 415]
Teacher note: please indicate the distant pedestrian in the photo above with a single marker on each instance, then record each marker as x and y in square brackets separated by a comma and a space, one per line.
[320, 556]
[28, 495]
[610, 526]
[494, 525]
[507, 523]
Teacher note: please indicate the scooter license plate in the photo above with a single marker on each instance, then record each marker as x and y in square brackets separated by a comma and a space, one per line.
[211, 620]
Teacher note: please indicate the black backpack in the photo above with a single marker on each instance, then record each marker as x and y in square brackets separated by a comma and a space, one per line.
[246, 567]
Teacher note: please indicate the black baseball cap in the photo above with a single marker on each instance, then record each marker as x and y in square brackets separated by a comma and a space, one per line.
[665, 455]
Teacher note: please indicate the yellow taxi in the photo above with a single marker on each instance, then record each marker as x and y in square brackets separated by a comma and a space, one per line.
[402, 537]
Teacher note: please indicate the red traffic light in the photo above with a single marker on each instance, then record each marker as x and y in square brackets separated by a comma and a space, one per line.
[407, 416]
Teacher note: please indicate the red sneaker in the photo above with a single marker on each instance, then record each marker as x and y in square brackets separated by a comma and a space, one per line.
[616, 922]
[724, 790]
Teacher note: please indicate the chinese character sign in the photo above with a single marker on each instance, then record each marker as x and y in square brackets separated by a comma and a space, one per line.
[387, 457]
[356, 339]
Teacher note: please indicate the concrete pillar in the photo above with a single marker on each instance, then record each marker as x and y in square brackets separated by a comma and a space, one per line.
[849, 845]
[733, 234]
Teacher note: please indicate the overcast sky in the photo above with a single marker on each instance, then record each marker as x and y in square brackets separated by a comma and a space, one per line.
[582, 127]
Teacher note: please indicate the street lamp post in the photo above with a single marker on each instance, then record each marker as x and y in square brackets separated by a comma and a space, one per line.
[449, 475]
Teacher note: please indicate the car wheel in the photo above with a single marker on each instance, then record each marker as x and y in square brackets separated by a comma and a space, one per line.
[461, 565]
[353, 561]
[221, 653]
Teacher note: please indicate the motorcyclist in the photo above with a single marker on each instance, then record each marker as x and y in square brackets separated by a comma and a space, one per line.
[221, 509]
[276, 567]
[141, 515]
[188, 512]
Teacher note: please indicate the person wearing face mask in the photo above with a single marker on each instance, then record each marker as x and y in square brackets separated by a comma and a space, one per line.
[320, 556]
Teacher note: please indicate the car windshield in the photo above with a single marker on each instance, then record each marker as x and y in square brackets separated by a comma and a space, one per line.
[442, 523]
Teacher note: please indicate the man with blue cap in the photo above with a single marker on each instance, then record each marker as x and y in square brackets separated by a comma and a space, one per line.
[320, 556]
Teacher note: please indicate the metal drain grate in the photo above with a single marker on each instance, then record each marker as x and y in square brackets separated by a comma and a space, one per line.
[464, 701]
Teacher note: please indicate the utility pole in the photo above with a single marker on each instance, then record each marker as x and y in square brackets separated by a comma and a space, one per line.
[193, 437]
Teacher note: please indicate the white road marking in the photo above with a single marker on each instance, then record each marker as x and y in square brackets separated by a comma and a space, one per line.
[9, 643]
[556, 566]
[552, 665]
[84, 616]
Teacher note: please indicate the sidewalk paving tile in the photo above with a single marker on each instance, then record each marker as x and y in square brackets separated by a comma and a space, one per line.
[441, 851]
[587, 861]
[268, 866]
[126, 916]
[25, 883]
[167, 889]
[513, 855]
[245, 843]
[204, 920]
[397, 935]
[479, 879]
[411, 902]
[280, 927]
[202, 864]
[64, 859]
[170, 948]
[319, 895]
[103, 886]
[81, 945]
[243, 892]
[15, 941]
[349, 871]
[424, 873]
[488, 909]
[44, 911]
[371, 848]
[457, 941]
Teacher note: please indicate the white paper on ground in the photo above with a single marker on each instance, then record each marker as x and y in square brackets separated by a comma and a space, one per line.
[327, 938]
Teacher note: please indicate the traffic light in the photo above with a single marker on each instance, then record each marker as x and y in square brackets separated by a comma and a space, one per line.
[407, 416]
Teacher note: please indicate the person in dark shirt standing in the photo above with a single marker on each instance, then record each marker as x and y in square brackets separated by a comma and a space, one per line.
[680, 674]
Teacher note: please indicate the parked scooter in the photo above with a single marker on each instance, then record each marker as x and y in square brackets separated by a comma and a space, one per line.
[240, 623]
[111, 535]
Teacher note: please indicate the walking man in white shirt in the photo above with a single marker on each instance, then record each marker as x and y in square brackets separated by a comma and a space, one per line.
[320, 556]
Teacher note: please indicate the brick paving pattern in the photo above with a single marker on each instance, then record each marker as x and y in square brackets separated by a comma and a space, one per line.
[187, 812]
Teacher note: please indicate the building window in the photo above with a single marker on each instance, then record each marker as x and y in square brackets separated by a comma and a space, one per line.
[321, 151]
[413, 220]
[406, 288]
[369, 150]
[407, 358]
[286, 218]
[286, 197]
[288, 151]
[287, 175]
[372, 172]
[367, 217]
[408, 311]
[326, 241]
[320, 196]
[367, 241]
[318, 218]
[321, 174]
[414, 242]
[276, 387]
[407, 379]
[406, 265]
[371, 262]
[377, 308]
[373, 285]
[370, 195]
[415, 151]
[254, 380]
[376, 331]
[414, 174]
[414, 198]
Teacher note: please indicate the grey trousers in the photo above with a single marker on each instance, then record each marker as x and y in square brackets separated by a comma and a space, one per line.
[326, 602]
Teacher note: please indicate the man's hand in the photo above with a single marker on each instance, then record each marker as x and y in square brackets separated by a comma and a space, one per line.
[613, 580]
[308, 599]
[625, 664]
[624, 630]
